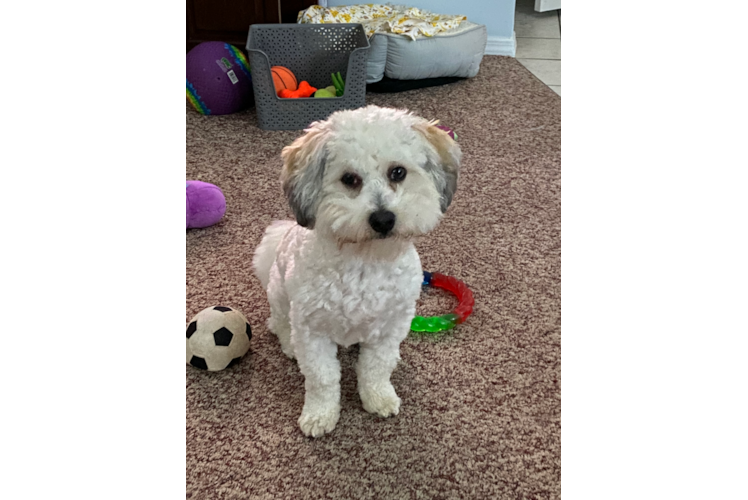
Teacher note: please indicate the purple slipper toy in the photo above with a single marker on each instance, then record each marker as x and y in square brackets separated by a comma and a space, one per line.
[448, 130]
[205, 204]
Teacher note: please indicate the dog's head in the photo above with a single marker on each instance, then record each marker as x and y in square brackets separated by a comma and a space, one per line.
[371, 173]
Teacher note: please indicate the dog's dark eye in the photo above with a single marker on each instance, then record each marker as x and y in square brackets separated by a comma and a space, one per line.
[397, 174]
[351, 180]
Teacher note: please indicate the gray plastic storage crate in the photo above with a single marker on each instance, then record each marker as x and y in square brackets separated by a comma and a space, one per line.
[312, 52]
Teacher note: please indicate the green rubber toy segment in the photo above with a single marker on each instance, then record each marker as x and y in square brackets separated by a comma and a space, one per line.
[453, 318]
[418, 324]
[433, 324]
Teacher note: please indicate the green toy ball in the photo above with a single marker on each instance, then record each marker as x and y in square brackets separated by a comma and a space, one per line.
[326, 92]
[337, 89]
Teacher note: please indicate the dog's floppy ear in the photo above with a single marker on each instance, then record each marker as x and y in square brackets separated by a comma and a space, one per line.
[443, 163]
[303, 170]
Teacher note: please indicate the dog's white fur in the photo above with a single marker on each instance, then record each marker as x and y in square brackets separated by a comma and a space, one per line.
[336, 281]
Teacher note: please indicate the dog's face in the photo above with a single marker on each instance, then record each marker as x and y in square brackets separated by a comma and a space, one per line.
[371, 173]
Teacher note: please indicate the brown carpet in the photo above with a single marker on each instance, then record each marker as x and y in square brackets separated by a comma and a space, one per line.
[481, 410]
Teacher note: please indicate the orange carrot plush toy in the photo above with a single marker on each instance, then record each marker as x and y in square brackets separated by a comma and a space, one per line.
[304, 90]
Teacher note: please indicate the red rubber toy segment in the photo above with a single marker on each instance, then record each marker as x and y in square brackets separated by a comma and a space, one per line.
[460, 290]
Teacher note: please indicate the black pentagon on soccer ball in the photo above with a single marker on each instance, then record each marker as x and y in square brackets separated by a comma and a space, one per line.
[223, 336]
[221, 308]
[198, 362]
[249, 331]
[191, 329]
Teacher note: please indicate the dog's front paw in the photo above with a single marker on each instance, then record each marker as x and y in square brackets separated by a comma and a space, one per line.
[382, 401]
[316, 423]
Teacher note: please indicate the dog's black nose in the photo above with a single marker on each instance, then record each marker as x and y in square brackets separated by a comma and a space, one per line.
[382, 221]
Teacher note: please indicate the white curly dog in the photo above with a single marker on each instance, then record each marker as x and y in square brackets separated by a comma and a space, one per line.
[362, 185]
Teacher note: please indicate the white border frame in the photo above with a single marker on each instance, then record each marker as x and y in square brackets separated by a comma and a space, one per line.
[568, 396]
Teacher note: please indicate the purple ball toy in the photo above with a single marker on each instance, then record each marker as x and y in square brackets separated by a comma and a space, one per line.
[218, 79]
[205, 204]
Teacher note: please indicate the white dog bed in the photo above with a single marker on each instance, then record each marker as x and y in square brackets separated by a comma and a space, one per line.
[457, 52]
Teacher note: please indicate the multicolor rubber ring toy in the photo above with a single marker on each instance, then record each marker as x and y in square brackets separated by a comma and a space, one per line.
[433, 324]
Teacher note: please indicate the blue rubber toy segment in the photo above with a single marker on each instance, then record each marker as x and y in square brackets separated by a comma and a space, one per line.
[426, 278]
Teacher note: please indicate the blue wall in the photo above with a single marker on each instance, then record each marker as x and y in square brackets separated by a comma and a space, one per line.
[497, 15]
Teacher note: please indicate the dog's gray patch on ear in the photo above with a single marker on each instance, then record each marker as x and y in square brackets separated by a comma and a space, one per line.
[448, 192]
[443, 161]
[303, 193]
[445, 182]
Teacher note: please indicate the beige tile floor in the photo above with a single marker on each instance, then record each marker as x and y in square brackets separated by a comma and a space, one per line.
[539, 42]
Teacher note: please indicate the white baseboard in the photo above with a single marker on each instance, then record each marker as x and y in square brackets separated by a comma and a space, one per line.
[498, 46]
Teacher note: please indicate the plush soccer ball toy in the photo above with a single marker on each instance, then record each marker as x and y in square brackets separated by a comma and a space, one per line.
[218, 79]
[217, 337]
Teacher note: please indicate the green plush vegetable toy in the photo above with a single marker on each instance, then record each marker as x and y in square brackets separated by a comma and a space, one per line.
[337, 89]
[339, 84]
